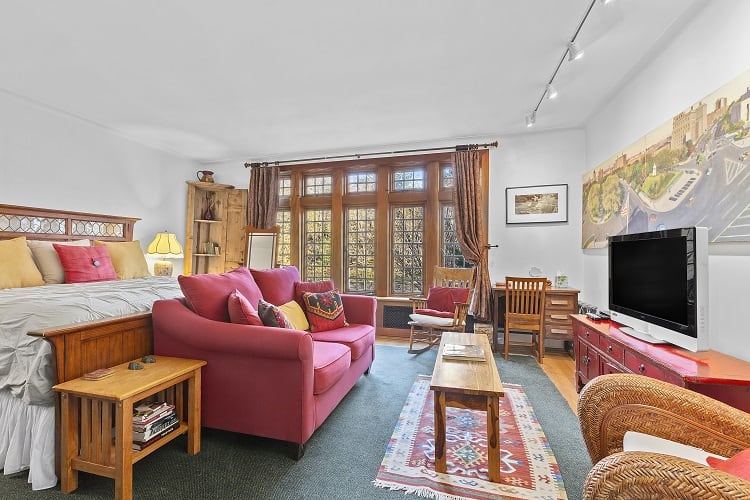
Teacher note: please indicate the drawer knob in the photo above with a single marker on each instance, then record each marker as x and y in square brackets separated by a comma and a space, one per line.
[609, 348]
[642, 368]
[587, 334]
[586, 360]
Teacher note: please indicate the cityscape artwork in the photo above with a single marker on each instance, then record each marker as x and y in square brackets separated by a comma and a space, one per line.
[690, 171]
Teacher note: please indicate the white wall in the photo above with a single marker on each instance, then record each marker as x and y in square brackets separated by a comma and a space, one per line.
[51, 160]
[708, 52]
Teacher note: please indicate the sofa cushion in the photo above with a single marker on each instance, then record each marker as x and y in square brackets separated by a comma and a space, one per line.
[208, 294]
[276, 285]
[241, 310]
[300, 287]
[295, 315]
[442, 298]
[737, 465]
[85, 264]
[330, 362]
[271, 315]
[358, 338]
[324, 310]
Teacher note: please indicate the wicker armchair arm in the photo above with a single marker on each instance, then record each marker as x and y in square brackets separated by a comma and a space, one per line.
[610, 405]
[641, 475]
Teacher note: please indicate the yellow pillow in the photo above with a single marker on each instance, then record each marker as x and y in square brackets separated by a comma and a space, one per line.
[127, 259]
[17, 268]
[295, 315]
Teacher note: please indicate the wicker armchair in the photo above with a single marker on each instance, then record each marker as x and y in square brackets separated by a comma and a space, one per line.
[610, 405]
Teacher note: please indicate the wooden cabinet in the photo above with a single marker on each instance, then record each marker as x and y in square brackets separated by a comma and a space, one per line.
[214, 229]
[601, 348]
[559, 304]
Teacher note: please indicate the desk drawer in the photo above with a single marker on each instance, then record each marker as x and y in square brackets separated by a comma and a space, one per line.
[560, 302]
[558, 331]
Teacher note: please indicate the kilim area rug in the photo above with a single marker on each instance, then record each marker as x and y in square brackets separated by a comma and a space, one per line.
[528, 468]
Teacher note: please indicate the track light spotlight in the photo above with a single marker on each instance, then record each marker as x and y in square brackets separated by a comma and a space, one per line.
[531, 119]
[551, 91]
[574, 51]
[604, 2]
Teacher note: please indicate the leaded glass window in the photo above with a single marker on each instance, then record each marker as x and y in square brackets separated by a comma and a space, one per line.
[407, 228]
[317, 248]
[360, 250]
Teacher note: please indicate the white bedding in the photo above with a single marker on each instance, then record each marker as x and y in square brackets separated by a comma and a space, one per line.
[26, 362]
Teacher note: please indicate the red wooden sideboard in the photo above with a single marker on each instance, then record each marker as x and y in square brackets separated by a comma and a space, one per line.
[600, 348]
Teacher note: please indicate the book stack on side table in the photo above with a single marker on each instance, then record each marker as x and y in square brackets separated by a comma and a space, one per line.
[153, 420]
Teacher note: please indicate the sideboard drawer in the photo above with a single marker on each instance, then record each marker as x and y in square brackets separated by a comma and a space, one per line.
[640, 366]
[611, 349]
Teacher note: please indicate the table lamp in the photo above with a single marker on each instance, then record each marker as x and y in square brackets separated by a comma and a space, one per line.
[166, 246]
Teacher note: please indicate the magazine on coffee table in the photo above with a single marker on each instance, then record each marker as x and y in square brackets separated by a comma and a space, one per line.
[465, 352]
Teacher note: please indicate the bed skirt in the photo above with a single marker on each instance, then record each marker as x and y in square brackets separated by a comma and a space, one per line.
[27, 440]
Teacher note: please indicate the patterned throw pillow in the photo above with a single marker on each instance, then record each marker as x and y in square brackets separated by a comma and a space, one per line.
[272, 316]
[325, 311]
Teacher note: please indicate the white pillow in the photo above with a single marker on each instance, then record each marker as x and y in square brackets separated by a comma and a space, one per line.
[47, 260]
[431, 320]
[637, 441]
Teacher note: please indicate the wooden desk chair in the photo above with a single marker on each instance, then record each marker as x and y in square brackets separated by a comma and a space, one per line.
[440, 311]
[524, 312]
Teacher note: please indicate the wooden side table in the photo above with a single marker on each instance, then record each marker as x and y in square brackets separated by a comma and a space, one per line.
[92, 411]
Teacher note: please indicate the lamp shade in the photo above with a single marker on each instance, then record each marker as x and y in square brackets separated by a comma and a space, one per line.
[166, 245]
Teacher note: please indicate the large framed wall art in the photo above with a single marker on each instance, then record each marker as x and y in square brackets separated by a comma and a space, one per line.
[690, 171]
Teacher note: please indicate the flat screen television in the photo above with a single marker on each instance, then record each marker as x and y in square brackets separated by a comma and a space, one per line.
[658, 286]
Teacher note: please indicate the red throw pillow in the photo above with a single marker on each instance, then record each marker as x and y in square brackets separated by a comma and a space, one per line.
[738, 465]
[241, 310]
[442, 298]
[324, 310]
[85, 264]
[208, 294]
[433, 312]
[276, 285]
[301, 287]
[272, 315]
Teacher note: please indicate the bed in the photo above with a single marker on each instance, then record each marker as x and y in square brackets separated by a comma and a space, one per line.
[56, 332]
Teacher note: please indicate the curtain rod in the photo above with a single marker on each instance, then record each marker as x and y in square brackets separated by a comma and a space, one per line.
[458, 147]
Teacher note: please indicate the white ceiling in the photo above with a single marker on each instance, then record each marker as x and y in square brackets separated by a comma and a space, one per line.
[263, 79]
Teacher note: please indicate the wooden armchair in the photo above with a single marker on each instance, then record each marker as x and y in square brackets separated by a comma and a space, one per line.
[610, 405]
[427, 332]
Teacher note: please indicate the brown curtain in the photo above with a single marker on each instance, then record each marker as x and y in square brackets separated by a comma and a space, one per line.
[263, 197]
[467, 200]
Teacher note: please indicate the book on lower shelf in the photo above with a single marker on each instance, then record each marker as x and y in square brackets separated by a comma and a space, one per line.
[149, 411]
[140, 445]
[466, 352]
[143, 433]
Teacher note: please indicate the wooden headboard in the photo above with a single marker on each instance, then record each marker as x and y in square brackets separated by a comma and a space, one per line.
[62, 225]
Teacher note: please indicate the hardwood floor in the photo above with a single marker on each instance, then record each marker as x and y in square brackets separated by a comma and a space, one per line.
[558, 365]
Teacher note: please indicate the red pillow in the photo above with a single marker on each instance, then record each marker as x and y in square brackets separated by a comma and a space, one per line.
[85, 264]
[277, 285]
[442, 298]
[301, 287]
[208, 294]
[433, 312]
[738, 465]
[324, 311]
[241, 311]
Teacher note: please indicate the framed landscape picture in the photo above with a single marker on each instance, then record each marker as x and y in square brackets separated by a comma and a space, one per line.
[535, 204]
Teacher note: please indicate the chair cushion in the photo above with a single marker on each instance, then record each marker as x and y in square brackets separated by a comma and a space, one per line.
[324, 310]
[17, 268]
[271, 315]
[300, 287]
[85, 264]
[737, 465]
[431, 320]
[241, 310]
[276, 285]
[127, 258]
[638, 441]
[358, 338]
[295, 315]
[330, 362]
[442, 298]
[208, 294]
[433, 312]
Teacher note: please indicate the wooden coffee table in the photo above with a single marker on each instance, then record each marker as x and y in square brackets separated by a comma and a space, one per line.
[472, 385]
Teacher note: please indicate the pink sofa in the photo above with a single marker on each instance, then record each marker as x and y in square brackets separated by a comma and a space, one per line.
[265, 381]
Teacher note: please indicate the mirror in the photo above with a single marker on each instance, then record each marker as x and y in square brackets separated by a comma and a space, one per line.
[260, 247]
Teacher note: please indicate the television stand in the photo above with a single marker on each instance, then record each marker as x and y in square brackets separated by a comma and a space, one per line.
[601, 348]
[641, 335]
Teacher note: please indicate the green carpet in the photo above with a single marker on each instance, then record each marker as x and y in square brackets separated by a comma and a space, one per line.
[341, 458]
